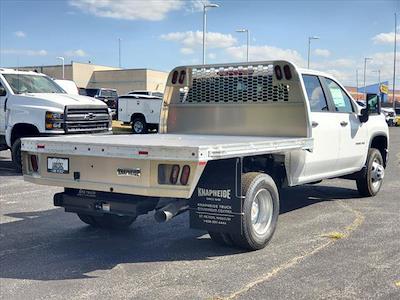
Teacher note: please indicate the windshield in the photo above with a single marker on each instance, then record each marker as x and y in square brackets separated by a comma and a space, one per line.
[22, 83]
[109, 93]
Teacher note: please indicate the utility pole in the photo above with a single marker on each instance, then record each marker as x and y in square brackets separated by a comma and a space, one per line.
[63, 65]
[394, 60]
[245, 30]
[309, 49]
[119, 52]
[205, 6]
[357, 83]
[365, 72]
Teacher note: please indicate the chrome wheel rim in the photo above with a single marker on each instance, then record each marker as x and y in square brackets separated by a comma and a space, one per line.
[262, 211]
[138, 126]
[377, 174]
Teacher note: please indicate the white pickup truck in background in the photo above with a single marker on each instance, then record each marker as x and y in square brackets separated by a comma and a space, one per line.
[32, 104]
[230, 136]
[141, 111]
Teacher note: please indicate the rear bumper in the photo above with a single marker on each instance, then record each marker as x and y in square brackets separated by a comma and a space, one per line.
[100, 203]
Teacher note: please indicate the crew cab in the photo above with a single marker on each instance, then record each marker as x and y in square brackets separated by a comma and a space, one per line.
[32, 104]
[231, 135]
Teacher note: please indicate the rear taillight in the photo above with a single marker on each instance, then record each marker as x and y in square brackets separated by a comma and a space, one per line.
[34, 163]
[278, 72]
[182, 77]
[288, 73]
[173, 178]
[175, 77]
[185, 175]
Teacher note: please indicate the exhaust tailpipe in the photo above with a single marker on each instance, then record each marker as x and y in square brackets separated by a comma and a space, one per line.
[171, 210]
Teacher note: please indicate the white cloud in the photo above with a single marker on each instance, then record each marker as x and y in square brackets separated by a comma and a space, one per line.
[265, 53]
[384, 38]
[20, 34]
[194, 39]
[197, 5]
[212, 56]
[78, 52]
[152, 10]
[24, 52]
[322, 52]
[186, 51]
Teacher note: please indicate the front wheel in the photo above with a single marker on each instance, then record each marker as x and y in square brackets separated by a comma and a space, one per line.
[370, 179]
[261, 211]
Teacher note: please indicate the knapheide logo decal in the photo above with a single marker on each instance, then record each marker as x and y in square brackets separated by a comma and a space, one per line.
[201, 192]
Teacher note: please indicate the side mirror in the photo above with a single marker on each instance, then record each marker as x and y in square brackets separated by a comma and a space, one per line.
[364, 115]
[3, 91]
[373, 103]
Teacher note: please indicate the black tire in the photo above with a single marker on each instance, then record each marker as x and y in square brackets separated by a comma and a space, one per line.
[220, 238]
[252, 184]
[88, 219]
[113, 221]
[16, 155]
[366, 183]
[139, 125]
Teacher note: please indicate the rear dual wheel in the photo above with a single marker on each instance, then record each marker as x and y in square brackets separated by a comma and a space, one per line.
[260, 213]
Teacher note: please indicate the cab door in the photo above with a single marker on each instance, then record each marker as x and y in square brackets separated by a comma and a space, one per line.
[321, 162]
[3, 97]
[352, 132]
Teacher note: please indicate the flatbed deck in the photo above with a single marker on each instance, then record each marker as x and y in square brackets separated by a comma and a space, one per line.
[187, 147]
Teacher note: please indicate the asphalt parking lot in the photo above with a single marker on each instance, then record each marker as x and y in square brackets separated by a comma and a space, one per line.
[330, 244]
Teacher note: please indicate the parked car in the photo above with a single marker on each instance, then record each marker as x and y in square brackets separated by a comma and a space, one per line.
[108, 96]
[389, 114]
[32, 104]
[141, 111]
[230, 136]
[147, 93]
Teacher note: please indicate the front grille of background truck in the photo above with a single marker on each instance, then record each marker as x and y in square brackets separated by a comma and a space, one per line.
[86, 119]
[234, 84]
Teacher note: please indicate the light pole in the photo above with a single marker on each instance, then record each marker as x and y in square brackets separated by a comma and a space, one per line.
[63, 66]
[394, 60]
[119, 52]
[365, 71]
[309, 48]
[248, 41]
[379, 76]
[357, 82]
[205, 6]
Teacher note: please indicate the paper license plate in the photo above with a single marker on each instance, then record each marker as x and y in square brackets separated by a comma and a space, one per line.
[58, 165]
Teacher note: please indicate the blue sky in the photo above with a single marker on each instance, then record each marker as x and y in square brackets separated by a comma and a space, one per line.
[162, 34]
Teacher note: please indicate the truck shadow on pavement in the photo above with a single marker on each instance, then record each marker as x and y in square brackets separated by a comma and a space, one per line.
[7, 167]
[53, 245]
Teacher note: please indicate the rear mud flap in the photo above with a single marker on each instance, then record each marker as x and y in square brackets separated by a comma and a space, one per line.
[216, 203]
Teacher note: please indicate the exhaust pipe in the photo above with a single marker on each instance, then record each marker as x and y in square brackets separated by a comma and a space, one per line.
[171, 210]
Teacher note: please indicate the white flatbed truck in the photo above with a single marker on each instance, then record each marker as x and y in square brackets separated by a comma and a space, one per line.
[230, 137]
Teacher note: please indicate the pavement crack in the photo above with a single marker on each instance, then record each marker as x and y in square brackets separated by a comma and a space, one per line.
[346, 231]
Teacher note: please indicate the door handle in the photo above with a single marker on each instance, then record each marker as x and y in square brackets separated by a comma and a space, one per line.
[314, 124]
[343, 123]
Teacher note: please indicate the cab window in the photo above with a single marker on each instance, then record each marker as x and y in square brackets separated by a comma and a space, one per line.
[340, 99]
[315, 93]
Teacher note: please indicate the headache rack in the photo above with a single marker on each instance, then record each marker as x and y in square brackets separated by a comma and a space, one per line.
[248, 83]
[86, 119]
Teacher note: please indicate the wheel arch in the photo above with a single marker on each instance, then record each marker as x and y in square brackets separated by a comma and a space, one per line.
[138, 115]
[380, 141]
[23, 130]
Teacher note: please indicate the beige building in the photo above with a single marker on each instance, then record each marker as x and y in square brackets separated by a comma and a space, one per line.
[87, 75]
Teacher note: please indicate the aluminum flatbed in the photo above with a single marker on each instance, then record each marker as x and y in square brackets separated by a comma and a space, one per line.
[180, 147]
